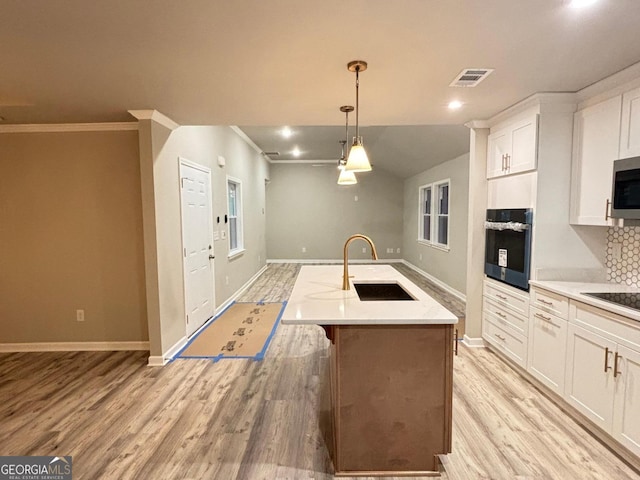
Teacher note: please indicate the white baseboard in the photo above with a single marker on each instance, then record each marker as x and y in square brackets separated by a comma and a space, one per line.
[437, 281]
[73, 347]
[473, 342]
[240, 291]
[332, 262]
[159, 361]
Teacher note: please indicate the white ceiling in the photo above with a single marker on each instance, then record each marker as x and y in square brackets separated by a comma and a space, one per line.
[283, 62]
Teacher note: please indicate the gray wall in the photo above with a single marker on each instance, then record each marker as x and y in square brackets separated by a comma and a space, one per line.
[306, 208]
[450, 266]
[160, 151]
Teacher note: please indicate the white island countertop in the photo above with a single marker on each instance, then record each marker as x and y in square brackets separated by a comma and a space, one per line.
[318, 299]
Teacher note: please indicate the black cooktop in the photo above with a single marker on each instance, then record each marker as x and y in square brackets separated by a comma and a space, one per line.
[630, 300]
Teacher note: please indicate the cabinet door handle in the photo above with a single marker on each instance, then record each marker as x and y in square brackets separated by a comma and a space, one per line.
[606, 360]
[606, 210]
[500, 314]
[539, 315]
[616, 372]
[501, 338]
[507, 162]
[501, 297]
[545, 302]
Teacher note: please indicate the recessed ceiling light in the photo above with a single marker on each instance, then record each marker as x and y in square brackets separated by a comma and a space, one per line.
[581, 3]
[455, 104]
[286, 132]
[296, 152]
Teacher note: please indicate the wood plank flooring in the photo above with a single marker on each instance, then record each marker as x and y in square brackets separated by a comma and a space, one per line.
[240, 419]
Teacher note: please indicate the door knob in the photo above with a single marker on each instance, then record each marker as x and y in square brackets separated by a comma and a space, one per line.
[211, 257]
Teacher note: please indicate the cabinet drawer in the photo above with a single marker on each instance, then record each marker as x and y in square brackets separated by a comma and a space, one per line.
[504, 317]
[507, 297]
[510, 343]
[550, 302]
[622, 330]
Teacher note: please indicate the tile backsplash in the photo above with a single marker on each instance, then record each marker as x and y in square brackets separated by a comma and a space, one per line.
[623, 255]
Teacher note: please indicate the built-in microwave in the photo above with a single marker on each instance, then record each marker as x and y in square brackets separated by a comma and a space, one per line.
[508, 245]
[626, 189]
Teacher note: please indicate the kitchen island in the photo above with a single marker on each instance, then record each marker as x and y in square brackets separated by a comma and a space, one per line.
[391, 367]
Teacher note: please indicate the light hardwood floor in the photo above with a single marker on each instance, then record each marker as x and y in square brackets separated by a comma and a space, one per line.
[239, 419]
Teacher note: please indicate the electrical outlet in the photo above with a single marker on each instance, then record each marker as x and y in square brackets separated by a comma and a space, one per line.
[397, 250]
[389, 250]
[364, 249]
[79, 315]
[304, 249]
[355, 199]
[223, 234]
[226, 279]
[420, 256]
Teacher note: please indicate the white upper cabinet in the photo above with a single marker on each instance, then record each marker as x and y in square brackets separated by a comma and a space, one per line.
[596, 138]
[630, 133]
[513, 149]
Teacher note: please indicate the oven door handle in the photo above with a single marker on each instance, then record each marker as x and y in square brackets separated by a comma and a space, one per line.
[515, 226]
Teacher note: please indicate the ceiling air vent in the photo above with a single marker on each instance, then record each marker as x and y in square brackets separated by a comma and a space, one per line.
[470, 77]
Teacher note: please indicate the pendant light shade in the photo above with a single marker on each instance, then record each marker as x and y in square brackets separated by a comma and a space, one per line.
[346, 177]
[357, 161]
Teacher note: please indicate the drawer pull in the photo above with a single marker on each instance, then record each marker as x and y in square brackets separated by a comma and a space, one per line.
[500, 337]
[539, 315]
[545, 302]
[501, 297]
[500, 314]
[616, 372]
[606, 360]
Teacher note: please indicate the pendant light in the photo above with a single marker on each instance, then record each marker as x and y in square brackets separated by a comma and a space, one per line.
[345, 177]
[357, 160]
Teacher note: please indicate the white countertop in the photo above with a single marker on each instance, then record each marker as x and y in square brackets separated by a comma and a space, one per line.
[575, 291]
[318, 299]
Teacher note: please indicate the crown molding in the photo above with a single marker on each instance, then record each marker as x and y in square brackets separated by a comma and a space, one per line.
[69, 127]
[156, 116]
[249, 142]
[543, 102]
[305, 161]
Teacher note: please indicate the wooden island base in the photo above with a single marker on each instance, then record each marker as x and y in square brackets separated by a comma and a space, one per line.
[391, 398]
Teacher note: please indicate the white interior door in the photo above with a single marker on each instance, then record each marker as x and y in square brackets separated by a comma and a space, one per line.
[195, 187]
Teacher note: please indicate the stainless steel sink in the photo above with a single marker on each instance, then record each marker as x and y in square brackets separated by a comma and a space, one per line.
[389, 291]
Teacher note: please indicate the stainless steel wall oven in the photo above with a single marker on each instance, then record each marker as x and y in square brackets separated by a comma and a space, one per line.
[508, 246]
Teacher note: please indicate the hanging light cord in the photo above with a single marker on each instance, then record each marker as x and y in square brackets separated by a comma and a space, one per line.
[357, 98]
[346, 130]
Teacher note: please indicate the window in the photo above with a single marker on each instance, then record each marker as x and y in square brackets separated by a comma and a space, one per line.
[234, 194]
[434, 214]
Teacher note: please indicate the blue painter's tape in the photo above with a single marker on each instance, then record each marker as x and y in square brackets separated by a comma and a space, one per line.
[262, 352]
[202, 329]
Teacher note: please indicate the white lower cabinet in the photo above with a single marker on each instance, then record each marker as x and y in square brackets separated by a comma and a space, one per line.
[603, 372]
[590, 385]
[505, 317]
[626, 410]
[547, 345]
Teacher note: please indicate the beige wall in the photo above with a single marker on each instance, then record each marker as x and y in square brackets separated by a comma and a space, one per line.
[160, 150]
[307, 208]
[71, 238]
[450, 266]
